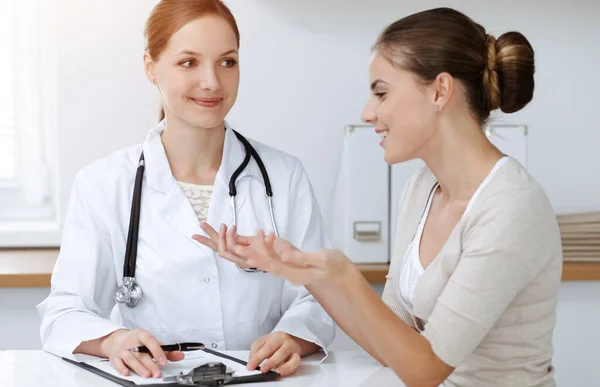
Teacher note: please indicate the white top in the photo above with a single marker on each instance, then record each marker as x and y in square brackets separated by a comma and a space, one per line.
[199, 197]
[413, 268]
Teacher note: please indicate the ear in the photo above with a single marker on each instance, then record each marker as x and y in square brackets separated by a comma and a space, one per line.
[149, 67]
[443, 88]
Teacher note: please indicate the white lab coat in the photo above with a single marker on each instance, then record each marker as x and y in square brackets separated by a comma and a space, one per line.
[190, 293]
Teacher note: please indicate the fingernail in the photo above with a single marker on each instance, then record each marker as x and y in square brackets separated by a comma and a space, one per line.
[147, 374]
[251, 262]
[124, 371]
[162, 361]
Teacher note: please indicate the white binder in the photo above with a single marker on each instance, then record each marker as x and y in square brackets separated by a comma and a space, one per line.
[365, 197]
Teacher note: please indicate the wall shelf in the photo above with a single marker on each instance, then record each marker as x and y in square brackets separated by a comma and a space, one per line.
[32, 268]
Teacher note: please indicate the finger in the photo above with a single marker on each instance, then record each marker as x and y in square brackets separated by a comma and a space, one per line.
[262, 248]
[207, 228]
[175, 355]
[271, 239]
[147, 361]
[256, 345]
[222, 240]
[260, 235]
[265, 352]
[223, 250]
[243, 240]
[206, 242]
[254, 348]
[275, 360]
[290, 366]
[230, 239]
[135, 364]
[154, 346]
[118, 364]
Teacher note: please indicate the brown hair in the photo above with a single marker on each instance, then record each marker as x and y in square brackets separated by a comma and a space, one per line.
[169, 16]
[496, 73]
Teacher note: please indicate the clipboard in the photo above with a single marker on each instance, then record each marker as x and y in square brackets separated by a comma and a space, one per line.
[266, 377]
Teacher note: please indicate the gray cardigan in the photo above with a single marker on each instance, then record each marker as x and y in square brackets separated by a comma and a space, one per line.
[487, 302]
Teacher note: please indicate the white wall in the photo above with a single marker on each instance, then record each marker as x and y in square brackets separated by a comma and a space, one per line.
[576, 341]
[304, 76]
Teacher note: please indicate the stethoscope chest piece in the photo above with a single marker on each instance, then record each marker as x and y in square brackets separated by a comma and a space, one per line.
[130, 293]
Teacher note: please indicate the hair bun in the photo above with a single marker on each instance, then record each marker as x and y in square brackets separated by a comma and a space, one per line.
[490, 75]
[514, 67]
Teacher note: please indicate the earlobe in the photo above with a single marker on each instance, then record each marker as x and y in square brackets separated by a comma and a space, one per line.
[444, 85]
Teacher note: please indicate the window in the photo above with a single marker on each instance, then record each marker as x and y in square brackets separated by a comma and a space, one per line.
[27, 107]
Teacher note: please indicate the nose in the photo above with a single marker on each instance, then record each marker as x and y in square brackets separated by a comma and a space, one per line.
[368, 115]
[209, 79]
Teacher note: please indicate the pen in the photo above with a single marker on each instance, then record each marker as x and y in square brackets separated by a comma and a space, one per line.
[183, 347]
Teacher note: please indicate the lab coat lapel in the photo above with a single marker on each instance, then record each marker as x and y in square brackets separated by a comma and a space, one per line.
[174, 207]
[220, 210]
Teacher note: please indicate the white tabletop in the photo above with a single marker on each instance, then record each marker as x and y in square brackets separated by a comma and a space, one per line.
[347, 369]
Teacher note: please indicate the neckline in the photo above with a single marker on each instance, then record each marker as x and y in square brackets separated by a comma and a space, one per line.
[204, 187]
[420, 227]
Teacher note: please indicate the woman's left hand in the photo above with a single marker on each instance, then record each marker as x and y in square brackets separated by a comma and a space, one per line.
[276, 256]
[279, 351]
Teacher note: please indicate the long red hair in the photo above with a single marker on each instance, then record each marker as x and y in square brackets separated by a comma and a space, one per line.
[169, 16]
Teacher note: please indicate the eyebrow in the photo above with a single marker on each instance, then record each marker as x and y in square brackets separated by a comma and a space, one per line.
[376, 82]
[188, 52]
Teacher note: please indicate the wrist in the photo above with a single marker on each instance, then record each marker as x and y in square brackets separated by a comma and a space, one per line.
[107, 342]
[306, 347]
[344, 270]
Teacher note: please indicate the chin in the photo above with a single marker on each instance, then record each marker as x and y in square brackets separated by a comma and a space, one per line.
[395, 158]
[207, 121]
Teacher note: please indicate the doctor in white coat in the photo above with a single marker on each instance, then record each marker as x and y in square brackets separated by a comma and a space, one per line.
[189, 294]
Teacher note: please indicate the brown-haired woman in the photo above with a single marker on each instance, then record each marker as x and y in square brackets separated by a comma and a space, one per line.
[191, 158]
[471, 293]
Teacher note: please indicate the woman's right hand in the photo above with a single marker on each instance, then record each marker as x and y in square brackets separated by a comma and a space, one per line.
[116, 348]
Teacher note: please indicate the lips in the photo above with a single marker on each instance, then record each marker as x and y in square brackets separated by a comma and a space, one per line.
[383, 134]
[207, 102]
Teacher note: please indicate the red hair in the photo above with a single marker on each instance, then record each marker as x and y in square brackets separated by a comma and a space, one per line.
[169, 16]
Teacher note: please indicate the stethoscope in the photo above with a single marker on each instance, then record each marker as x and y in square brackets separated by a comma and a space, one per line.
[130, 293]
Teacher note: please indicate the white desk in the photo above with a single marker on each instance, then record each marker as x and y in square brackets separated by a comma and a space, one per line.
[340, 369]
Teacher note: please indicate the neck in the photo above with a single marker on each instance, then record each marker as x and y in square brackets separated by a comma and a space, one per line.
[194, 154]
[460, 159]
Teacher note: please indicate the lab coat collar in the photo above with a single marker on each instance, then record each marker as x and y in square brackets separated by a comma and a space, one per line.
[158, 170]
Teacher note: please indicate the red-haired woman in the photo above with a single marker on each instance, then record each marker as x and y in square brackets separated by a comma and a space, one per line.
[143, 255]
